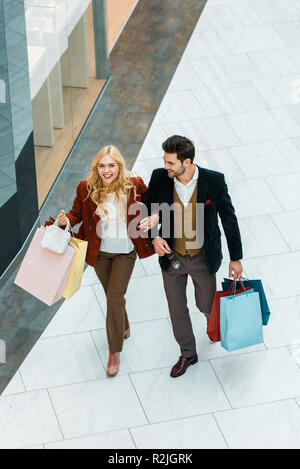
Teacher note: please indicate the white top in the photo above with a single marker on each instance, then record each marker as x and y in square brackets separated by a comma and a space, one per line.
[114, 235]
[185, 191]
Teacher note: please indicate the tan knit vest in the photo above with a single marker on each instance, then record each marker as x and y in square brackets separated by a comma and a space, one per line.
[184, 223]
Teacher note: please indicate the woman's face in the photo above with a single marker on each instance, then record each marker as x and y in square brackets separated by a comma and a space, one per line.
[108, 169]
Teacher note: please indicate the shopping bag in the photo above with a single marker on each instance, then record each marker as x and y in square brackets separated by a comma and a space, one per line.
[257, 287]
[240, 321]
[213, 327]
[75, 276]
[44, 273]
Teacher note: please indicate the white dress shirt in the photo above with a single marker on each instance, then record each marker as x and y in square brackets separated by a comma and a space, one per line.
[114, 235]
[185, 191]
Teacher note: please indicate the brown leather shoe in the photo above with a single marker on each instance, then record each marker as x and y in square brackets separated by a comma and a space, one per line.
[182, 365]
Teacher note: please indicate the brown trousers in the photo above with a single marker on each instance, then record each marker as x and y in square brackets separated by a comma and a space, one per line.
[175, 282]
[114, 272]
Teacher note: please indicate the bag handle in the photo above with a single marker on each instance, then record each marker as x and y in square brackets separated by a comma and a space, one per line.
[68, 226]
[232, 287]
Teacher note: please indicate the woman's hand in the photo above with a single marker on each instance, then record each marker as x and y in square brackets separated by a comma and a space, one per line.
[63, 220]
[149, 222]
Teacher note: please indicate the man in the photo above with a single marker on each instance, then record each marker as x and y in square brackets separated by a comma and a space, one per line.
[189, 187]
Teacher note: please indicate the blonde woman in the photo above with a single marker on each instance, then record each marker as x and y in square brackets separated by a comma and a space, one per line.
[102, 204]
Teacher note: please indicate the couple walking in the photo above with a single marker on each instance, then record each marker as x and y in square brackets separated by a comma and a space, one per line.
[104, 203]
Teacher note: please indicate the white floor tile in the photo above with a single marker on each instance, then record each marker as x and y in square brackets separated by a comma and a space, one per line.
[138, 270]
[263, 125]
[258, 377]
[228, 69]
[267, 158]
[27, 419]
[89, 277]
[235, 15]
[289, 32]
[261, 237]
[296, 141]
[287, 187]
[277, 91]
[278, 273]
[101, 406]
[288, 223]
[273, 64]
[15, 386]
[229, 99]
[250, 39]
[203, 45]
[152, 146]
[151, 345]
[193, 433]
[288, 11]
[112, 440]
[207, 133]
[253, 198]
[220, 160]
[35, 447]
[62, 360]
[164, 398]
[81, 313]
[268, 426]
[211, 19]
[151, 265]
[177, 106]
[144, 167]
[284, 324]
[295, 351]
[185, 78]
[294, 112]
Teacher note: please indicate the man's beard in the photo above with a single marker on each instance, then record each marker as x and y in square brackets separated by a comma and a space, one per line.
[176, 174]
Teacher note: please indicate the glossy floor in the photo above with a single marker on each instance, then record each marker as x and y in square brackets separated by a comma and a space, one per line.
[233, 92]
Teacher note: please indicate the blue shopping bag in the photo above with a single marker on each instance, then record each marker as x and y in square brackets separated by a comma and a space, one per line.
[257, 287]
[240, 321]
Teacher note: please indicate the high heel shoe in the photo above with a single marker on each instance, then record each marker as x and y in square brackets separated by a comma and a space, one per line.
[127, 333]
[113, 364]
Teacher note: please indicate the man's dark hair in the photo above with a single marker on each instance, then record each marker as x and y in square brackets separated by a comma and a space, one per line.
[180, 145]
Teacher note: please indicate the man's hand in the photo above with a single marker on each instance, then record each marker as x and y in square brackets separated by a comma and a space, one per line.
[161, 246]
[235, 269]
[149, 222]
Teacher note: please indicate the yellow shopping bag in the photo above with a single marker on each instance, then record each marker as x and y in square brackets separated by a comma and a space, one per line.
[74, 279]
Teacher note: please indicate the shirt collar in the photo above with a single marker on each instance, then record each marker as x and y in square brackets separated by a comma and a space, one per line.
[192, 181]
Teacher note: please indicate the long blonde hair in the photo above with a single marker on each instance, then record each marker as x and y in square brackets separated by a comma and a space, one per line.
[121, 186]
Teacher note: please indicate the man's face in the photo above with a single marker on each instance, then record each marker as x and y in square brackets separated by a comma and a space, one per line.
[173, 165]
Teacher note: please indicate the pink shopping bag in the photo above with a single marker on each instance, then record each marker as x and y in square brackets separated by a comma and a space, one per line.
[43, 273]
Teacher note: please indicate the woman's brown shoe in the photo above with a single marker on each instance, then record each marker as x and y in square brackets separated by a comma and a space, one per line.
[127, 333]
[113, 364]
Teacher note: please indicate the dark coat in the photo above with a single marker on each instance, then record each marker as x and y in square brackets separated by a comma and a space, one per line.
[212, 191]
[83, 210]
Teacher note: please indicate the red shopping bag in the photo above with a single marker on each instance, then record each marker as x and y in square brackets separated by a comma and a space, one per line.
[213, 327]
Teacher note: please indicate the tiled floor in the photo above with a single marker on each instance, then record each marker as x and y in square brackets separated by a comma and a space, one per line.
[234, 94]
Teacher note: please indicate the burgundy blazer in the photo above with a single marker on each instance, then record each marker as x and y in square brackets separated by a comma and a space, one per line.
[83, 210]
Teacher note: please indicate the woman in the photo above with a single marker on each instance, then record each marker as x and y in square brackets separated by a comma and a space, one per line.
[102, 203]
